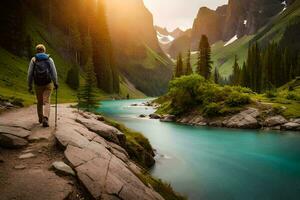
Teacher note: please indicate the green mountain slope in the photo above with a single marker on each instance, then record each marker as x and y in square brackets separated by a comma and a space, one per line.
[13, 76]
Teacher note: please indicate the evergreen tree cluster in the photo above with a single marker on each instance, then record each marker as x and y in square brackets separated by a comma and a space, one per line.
[266, 68]
[204, 63]
[83, 22]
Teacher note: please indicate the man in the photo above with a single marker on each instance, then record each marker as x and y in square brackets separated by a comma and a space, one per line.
[42, 72]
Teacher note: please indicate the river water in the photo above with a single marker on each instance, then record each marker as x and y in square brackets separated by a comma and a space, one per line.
[214, 163]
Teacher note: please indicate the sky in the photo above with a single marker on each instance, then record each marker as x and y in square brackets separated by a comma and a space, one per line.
[178, 13]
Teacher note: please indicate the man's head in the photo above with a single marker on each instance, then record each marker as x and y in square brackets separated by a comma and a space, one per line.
[40, 48]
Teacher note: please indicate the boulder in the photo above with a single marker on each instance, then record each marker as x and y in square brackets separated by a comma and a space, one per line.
[12, 142]
[296, 121]
[244, 120]
[275, 121]
[142, 116]
[62, 168]
[19, 132]
[154, 116]
[68, 135]
[291, 126]
[168, 118]
[217, 123]
[108, 132]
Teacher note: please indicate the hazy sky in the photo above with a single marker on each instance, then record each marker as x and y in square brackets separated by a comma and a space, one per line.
[178, 13]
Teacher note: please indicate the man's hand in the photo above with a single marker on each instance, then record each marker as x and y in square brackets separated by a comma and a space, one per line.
[56, 86]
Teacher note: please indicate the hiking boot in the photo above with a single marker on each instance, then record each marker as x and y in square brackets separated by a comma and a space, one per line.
[45, 122]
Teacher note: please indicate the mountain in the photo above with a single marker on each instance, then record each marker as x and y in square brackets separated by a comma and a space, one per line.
[228, 22]
[176, 33]
[282, 28]
[138, 54]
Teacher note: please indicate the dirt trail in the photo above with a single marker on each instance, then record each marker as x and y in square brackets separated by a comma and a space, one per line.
[32, 178]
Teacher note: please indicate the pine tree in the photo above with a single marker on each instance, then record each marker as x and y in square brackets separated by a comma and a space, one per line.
[217, 76]
[189, 69]
[245, 76]
[236, 76]
[204, 59]
[86, 96]
[179, 66]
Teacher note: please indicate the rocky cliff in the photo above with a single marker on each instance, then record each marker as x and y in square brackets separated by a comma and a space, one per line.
[237, 18]
[139, 56]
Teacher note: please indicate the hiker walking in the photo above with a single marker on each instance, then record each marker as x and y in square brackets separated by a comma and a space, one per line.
[42, 72]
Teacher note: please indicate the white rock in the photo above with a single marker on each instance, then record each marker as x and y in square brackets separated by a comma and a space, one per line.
[63, 168]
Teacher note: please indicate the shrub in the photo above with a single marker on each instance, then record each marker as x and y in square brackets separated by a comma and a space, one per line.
[236, 99]
[212, 110]
[271, 94]
[293, 96]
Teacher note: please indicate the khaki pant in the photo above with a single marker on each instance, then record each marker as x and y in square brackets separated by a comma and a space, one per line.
[43, 94]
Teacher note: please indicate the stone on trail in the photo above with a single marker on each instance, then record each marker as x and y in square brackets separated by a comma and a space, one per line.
[20, 167]
[19, 132]
[27, 156]
[63, 168]
[12, 142]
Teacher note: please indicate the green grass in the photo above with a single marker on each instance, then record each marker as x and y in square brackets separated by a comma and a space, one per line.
[163, 188]
[128, 88]
[281, 99]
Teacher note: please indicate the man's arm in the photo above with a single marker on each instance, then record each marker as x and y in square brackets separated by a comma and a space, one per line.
[53, 72]
[30, 74]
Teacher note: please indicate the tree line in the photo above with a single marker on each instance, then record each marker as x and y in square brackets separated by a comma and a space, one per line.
[265, 68]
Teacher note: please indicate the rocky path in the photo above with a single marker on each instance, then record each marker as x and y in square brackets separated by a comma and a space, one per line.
[82, 159]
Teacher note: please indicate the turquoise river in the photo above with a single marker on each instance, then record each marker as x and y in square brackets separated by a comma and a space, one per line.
[217, 164]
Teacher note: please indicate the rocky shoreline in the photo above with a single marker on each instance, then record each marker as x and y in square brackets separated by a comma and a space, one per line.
[84, 158]
[249, 118]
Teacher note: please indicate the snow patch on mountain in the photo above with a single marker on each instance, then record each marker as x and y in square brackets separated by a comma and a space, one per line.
[164, 39]
[234, 38]
[285, 6]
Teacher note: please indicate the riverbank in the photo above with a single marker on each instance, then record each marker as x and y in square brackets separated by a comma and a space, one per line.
[85, 156]
[258, 116]
[195, 101]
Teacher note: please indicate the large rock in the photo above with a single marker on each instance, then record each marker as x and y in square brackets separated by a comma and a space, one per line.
[154, 116]
[168, 118]
[12, 142]
[19, 132]
[108, 132]
[105, 175]
[291, 126]
[275, 121]
[245, 120]
[68, 135]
